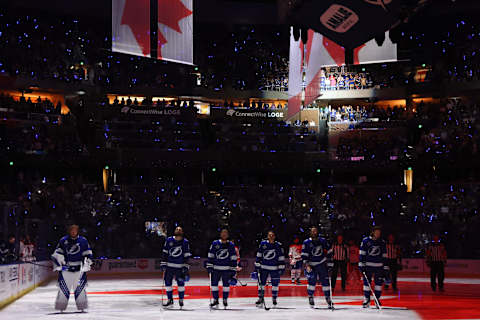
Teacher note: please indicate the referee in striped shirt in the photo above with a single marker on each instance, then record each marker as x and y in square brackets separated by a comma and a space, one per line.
[436, 256]
[393, 260]
[340, 259]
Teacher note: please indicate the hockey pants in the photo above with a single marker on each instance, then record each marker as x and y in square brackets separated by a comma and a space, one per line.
[170, 273]
[320, 275]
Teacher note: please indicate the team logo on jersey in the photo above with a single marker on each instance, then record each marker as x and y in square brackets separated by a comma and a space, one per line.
[222, 254]
[269, 254]
[264, 247]
[175, 252]
[374, 251]
[317, 251]
[74, 249]
[217, 246]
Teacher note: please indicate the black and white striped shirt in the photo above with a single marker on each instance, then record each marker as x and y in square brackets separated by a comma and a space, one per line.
[436, 252]
[392, 251]
[340, 252]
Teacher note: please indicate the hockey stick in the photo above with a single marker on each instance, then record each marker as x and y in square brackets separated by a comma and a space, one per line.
[263, 297]
[164, 288]
[331, 292]
[37, 264]
[210, 290]
[242, 284]
[371, 290]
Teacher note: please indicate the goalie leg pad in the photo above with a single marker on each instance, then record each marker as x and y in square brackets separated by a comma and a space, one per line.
[66, 281]
[63, 293]
[81, 293]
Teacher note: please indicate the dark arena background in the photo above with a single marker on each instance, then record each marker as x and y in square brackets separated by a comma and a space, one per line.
[134, 134]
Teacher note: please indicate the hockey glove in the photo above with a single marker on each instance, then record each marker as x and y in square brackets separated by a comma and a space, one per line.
[58, 262]
[185, 269]
[163, 266]
[233, 279]
[329, 268]
[86, 265]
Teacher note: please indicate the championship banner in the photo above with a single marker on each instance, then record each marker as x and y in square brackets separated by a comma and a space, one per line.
[131, 27]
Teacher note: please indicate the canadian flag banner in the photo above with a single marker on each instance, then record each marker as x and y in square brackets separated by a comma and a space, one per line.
[295, 76]
[323, 52]
[175, 36]
[131, 27]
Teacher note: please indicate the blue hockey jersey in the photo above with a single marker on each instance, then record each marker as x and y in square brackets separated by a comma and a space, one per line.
[176, 253]
[316, 251]
[222, 256]
[74, 251]
[270, 256]
[373, 253]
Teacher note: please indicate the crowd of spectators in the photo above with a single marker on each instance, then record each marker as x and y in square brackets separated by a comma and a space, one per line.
[342, 80]
[41, 47]
[226, 52]
[372, 145]
[37, 128]
[450, 132]
[114, 221]
[248, 209]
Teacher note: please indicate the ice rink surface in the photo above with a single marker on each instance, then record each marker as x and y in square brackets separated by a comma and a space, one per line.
[141, 298]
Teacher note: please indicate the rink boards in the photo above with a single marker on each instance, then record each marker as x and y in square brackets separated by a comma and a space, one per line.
[126, 297]
[19, 279]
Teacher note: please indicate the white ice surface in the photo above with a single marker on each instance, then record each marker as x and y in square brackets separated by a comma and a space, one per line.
[39, 305]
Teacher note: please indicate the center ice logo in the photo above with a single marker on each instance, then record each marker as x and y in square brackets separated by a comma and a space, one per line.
[269, 254]
[317, 251]
[222, 254]
[74, 249]
[374, 251]
[176, 252]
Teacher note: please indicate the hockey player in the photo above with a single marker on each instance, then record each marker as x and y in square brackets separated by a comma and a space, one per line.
[295, 255]
[222, 264]
[373, 261]
[176, 253]
[316, 255]
[270, 261]
[72, 260]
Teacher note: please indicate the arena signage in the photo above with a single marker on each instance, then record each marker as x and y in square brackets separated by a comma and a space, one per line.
[22, 278]
[122, 264]
[248, 113]
[155, 112]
